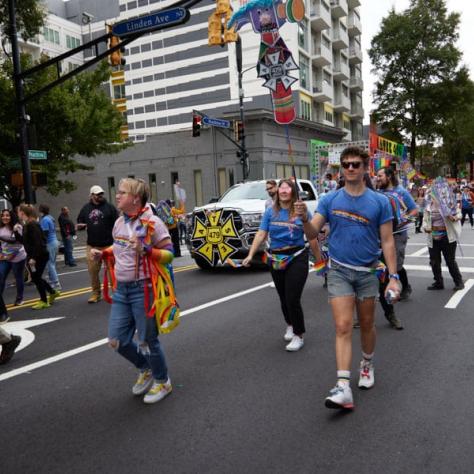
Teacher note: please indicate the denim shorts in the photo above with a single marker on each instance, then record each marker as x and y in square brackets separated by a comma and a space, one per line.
[343, 281]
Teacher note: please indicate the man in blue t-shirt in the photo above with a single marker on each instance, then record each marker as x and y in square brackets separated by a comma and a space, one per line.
[387, 182]
[49, 229]
[360, 221]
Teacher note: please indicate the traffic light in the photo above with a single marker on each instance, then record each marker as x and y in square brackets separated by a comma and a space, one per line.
[115, 58]
[242, 157]
[218, 34]
[196, 125]
[238, 130]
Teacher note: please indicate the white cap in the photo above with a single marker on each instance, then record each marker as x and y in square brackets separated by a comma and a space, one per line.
[96, 190]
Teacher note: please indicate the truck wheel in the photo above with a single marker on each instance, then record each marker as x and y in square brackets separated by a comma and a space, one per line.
[202, 263]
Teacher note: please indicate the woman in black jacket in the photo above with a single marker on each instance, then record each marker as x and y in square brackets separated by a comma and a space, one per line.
[37, 255]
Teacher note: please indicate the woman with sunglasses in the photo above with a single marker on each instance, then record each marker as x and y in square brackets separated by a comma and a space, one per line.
[288, 257]
[13, 256]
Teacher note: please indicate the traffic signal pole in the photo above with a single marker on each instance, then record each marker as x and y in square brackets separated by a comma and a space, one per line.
[244, 159]
[20, 105]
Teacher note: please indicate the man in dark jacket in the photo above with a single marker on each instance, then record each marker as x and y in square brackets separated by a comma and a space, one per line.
[68, 231]
[98, 217]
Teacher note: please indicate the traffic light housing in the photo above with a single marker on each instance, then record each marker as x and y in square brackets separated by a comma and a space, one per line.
[238, 130]
[196, 125]
[116, 58]
[218, 34]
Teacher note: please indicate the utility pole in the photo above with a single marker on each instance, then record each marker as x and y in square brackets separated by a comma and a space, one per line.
[20, 105]
[244, 155]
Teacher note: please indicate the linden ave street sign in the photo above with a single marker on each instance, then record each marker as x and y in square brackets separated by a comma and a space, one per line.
[174, 16]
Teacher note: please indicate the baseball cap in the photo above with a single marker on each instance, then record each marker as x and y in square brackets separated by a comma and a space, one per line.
[96, 190]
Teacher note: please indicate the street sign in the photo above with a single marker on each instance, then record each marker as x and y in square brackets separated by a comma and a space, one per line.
[37, 155]
[215, 122]
[148, 23]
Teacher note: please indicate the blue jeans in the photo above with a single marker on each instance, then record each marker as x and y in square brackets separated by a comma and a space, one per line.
[18, 268]
[127, 316]
[53, 252]
[68, 256]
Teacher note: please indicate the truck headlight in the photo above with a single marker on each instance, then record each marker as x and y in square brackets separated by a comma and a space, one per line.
[251, 220]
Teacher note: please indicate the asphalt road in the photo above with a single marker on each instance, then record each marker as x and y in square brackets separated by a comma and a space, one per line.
[240, 402]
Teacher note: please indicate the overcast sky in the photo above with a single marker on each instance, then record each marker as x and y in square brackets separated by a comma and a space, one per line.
[372, 12]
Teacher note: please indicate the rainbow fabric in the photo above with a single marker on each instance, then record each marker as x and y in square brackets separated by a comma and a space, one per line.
[280, 261]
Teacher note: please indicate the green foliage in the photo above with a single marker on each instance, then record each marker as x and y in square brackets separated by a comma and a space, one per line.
[415, 58]
[75, 118]
[30, 17]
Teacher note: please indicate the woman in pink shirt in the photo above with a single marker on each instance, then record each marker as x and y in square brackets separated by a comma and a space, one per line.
[133, 284]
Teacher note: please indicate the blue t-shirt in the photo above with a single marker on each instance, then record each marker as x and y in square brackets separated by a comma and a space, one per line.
[354, 223]
[406, 202]
[47, 224]
[283, 231]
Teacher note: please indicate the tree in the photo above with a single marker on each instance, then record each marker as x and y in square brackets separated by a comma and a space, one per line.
[413, 54]
[75, 118]
[30, 17]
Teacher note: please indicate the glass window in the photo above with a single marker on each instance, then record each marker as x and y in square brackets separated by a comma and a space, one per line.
[304, 72]
[198, 196]
[119, 91]
[303, 34]
[329, 116]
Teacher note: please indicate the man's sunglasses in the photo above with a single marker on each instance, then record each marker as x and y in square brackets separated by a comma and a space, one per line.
[355, 164]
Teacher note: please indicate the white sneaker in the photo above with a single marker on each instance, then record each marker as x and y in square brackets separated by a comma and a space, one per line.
[158, 391]
[366, 374]
[289, 334]
[340, 397]
[296, 344]
[143, 383]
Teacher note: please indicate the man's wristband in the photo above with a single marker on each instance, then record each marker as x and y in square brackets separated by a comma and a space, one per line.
[395, 276]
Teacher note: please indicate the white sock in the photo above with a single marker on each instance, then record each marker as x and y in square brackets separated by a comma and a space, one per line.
[343, 377]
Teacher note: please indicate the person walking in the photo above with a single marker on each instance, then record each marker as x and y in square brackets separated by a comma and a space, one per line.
[467, 205]
[173, 226]
[387, 182]
[34, 241]
[68, 233]
[98, 217]
[47, 223]
[8, 341]
[443, 233]
[271, 188]
[360, 220]
[13, 255]
[128, 313]
[420, 203]
[288, 258]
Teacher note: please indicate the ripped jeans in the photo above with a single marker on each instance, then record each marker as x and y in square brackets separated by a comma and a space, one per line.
[127, 316]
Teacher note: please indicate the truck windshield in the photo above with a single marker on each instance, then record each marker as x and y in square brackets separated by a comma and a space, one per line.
[255, 190]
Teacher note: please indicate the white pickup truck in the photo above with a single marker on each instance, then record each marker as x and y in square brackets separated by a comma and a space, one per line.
[226, 228]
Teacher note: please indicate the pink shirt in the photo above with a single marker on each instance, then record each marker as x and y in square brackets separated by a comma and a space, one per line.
[128, 264]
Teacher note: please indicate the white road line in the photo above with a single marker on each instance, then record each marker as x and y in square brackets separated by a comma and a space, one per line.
[458, 257]
[427, 268]
[459, 295]
[424, 244]
[100, 342]
[419, 253]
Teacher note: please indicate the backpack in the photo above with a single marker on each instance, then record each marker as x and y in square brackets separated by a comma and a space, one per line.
[163, 211]
[396, 210]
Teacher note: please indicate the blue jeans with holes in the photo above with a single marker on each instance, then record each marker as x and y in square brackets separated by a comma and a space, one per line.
[127, 316]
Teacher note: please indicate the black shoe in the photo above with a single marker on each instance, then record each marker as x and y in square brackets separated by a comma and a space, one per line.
[459, 286]
[405, 294]
[72, 265]
[8, 349]
[394, 321]
[4, 318]
[436, 286]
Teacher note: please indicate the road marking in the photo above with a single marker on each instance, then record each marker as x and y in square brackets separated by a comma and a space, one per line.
[458, 257]
[82, 291]
[424, 244]
[419, 253]
[427, 268]
[459, 295]
[100, 342]
[20, 328]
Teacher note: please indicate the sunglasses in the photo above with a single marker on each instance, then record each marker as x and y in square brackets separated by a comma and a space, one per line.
[355, 164]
